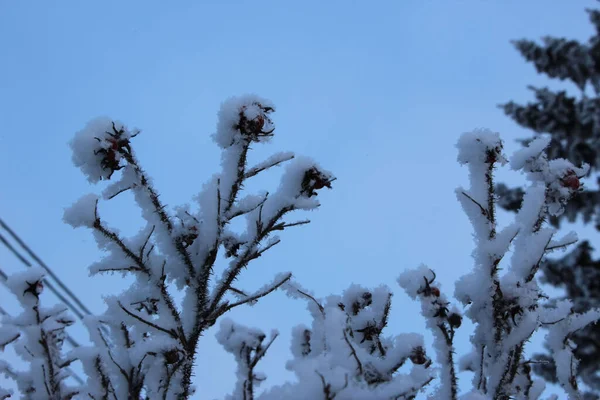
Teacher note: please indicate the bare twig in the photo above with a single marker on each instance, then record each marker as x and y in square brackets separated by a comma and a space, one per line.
[321, 309]
[484, 212]
[255, 170]
[260, 294]
[112, 196]
[239, 212]
[171, 332]
[353, 353]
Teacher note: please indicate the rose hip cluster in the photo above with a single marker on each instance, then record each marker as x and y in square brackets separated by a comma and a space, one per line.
[454, 319]
[314, 180]
[253, 120]
[112, 147]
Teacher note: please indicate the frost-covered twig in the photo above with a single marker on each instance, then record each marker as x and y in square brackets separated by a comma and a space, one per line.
[246, 344]
[251, 299]
[272, 161]
[561, 347]
[442, 319]
[37, 335]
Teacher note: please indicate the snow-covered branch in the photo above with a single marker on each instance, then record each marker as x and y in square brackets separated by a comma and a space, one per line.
[246, 344]
[156, 337]
[442, 319]
[345, 354]
[37, 335]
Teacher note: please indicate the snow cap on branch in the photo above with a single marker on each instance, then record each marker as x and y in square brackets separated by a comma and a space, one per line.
[481, 146]
[301, 180]
[530, 153]
[27, 285]
[244, 118]
[82, 212]
[412, 280]
[97, 148]
[233, 337]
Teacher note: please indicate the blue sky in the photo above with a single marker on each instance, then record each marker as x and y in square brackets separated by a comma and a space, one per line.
[378, 92]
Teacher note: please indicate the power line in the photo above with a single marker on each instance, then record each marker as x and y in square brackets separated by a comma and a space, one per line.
[40, 262]
[49, 284]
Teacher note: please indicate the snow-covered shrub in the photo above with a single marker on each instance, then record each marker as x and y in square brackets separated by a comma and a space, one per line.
[344, 354]
[145, 344]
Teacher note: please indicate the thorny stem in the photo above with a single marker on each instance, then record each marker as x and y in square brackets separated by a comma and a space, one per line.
[353, 353]
[258, 295]
[54, 385]
[241, 172]
[481, 381]
[497, 295]
[171, 332]
[491, 217]
[251, 360]
[411, 393]
[536, 266]
[207, 313]
[491, 200]
[256, 170]
[140, 265]
[249, 254]
[516, 361]
[321, 309]
[203, 279]
[159, 209]
[327, 393]
[448, 334]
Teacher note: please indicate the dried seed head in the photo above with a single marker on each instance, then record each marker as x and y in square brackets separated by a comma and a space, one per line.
[417, 356]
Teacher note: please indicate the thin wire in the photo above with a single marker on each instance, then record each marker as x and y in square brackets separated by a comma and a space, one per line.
[49, 284]
[14, 251]
[50, 272]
